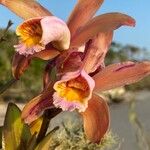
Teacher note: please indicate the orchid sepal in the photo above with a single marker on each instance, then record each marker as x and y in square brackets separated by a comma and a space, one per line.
[121, 74]
[24, 8]
[96, 119]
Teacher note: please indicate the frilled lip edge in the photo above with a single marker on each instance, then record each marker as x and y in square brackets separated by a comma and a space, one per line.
[71, 106]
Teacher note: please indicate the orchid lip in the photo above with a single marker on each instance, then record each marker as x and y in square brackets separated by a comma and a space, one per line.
[73, 91]
[36, 33]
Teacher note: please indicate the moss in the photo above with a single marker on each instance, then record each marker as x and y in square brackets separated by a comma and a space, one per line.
[72, 137]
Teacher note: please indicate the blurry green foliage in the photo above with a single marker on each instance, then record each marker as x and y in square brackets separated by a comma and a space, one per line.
[30, 83]
[120, 53]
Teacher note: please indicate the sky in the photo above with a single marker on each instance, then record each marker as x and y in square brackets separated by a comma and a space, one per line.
[138, 9]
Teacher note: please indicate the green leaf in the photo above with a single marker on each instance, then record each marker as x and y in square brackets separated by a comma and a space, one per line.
[33, 142]
[45, 143]
[35, 126]
[16, 133]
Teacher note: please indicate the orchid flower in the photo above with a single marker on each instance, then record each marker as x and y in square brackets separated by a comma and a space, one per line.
[36, 33]
[80, 70]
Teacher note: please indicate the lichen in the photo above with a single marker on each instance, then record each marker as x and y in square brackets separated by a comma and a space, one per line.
[72, 137]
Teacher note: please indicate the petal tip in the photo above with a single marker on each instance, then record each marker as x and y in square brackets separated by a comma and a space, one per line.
[131, 22]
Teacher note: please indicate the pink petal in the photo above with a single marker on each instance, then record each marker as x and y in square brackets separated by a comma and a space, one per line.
[121, 74]
[82, 13]
[22, 49]
[64, 103]
[26, 8]
[103, 23]
[96, 119]
[34, 108]
[96, 51]
[54, 29]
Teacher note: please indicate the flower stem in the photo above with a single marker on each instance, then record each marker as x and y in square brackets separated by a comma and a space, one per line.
[7, 85]
[44, 127]
[47, 116]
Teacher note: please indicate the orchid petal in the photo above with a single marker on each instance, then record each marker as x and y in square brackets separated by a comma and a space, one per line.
[54, 29]
[19, 64]
[26, 8]
[34, 108]
[82, 13]
[73, 91]
[68, 62]
[49, 74]
[46, 54]
[103, 23]
[121, 74]
[96, 51]
[96, 119]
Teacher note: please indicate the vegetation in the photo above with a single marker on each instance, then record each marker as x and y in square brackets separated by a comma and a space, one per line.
[30, 83]
[72, 137]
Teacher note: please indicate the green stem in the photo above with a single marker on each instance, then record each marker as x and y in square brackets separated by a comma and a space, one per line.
[7, 85]
[47, 116]
[44, 127]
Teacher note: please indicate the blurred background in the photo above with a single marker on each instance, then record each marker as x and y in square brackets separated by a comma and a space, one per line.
[128, 44]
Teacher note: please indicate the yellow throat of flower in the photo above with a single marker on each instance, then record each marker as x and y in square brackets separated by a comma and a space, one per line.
[30, 33]
[73, 90]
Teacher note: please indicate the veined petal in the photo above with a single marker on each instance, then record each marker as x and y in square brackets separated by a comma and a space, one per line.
[30, 33]
[47, 54]
[35, 107]
[82, 13]
[54, 29]
[26, 8]
[69, 61]
[103, 23]
[19, 64]
[73, 91]
[36, 33]
[96, 51]
[121, 74]
[96, 119]
[49, 74]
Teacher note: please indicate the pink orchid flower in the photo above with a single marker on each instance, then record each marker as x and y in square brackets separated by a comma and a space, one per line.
[81, 71]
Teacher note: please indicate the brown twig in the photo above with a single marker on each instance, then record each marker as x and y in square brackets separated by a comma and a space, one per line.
[2, 38]
[7, 85]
